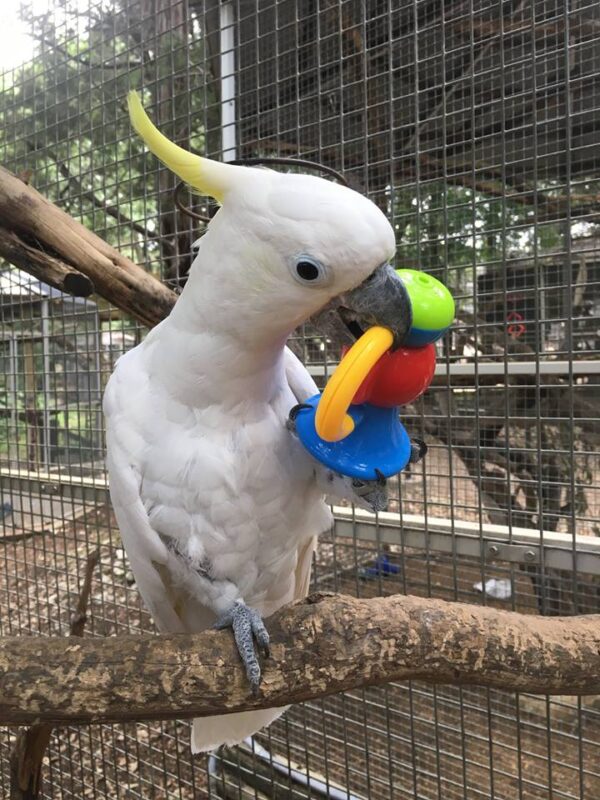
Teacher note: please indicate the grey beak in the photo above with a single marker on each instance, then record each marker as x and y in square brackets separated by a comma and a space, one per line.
[381, 299]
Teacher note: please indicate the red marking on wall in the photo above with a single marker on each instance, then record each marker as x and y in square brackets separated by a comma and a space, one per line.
[516, 327]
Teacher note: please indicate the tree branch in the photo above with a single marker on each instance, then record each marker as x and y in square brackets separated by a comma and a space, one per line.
[57, 243]
[319, 646]
[43, 266]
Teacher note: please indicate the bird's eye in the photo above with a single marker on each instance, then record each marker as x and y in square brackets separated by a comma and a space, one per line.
[308, 270]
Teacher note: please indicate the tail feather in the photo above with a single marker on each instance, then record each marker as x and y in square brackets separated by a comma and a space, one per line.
[208, 733]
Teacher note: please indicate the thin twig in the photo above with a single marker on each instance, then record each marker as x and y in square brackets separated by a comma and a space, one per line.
[31, 744]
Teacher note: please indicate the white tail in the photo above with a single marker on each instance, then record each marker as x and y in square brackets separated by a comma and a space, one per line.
[209, 733]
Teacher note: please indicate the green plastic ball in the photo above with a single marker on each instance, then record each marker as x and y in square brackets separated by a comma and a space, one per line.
[432, 307]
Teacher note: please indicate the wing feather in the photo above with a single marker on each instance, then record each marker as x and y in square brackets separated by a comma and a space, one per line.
[298, 377]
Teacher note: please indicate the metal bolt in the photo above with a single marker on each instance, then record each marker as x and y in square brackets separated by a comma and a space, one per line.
[493, 550]
[529, 555]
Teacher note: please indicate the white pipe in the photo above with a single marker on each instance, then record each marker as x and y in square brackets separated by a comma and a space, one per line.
[316, 786]
[228, 109]
[46, 375]
[498, 368]
[439, 534]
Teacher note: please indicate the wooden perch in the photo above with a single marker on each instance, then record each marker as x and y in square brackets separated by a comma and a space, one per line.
[43, 266]
[42, 239]
[322, 645]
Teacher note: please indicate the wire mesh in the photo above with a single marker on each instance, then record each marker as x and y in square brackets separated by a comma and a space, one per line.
[476, 127]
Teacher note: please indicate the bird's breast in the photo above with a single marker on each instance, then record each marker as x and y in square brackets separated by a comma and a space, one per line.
[244, 493]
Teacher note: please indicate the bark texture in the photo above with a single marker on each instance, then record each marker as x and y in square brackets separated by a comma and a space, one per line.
[45, 241]
[322, 645]
[43, 266]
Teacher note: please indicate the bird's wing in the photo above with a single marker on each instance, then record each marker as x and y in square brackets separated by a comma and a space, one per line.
[303, 387]
[146, 551]
[303, 568]
[298, 377]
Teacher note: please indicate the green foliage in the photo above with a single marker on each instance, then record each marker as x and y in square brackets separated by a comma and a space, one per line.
[63, 118]
[456, 233]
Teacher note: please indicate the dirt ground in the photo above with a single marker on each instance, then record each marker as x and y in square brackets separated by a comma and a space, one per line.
[395, 742]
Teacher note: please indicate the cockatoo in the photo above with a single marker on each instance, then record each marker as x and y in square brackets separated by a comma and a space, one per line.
[218, 504]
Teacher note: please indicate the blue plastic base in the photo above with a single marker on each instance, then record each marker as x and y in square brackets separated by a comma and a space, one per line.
[378, 442]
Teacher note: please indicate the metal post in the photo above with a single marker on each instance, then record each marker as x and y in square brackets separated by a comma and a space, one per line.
[228, 104]
[46, 380]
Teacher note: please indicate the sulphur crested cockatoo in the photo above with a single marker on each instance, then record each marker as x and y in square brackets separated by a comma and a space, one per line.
[218, 503]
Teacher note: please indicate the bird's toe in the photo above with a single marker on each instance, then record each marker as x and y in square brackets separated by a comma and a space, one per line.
[247, 625]
[418, 450]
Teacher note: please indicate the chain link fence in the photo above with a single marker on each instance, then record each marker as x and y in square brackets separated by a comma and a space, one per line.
[476, 127]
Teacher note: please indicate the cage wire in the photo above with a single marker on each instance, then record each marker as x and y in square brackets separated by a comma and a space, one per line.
[476, 127]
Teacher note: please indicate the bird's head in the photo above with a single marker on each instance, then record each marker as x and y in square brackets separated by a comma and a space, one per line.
[286, 248]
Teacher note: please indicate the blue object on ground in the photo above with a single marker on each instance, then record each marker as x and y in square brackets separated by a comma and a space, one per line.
[383, 566]
[5, 510]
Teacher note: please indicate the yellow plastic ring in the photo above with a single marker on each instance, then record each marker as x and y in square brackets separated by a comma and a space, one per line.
[332, 423]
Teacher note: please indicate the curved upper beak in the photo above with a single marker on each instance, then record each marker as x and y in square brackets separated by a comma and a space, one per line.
[381, 299]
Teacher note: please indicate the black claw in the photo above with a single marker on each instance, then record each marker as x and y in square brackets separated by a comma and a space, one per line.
[262, 641]
[261, 634]
[296, 410]
[418, 450]
[381, 479]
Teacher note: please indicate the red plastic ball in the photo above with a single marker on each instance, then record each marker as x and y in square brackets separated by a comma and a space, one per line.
[398, 377]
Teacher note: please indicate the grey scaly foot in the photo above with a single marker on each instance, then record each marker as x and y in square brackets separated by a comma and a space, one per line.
[372, 492]
[290, 423]
[247, 625]
[418, 450]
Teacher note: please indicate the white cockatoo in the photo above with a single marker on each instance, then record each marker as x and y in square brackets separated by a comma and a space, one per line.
[218, 503]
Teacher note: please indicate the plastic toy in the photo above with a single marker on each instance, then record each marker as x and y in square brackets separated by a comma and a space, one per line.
[398, 378]
[353, 427]
[432, 307]
[331, 420]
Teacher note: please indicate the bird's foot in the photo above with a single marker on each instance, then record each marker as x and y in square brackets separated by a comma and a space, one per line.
[247, 625]
[291, 420]
[372, 493]
[418, 450]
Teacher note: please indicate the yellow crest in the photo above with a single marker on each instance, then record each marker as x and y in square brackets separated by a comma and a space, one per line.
[210, 177]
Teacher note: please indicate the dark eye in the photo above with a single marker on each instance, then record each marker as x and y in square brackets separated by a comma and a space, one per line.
[308, 270]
